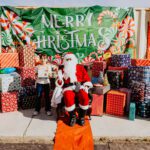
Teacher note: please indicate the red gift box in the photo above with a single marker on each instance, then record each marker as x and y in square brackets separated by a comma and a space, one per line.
[97, 105]
[26, 56]
[140, 62]
[27, 76]
[9, 60]
[97, 67]
[115, 103]
[9, 101]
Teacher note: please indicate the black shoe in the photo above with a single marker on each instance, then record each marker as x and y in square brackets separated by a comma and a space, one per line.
[72, 121]
[81, 121]
[82, 114]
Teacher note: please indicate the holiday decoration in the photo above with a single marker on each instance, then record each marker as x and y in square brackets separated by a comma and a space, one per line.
[9, 60]
[27, 76]
[115, 103]
[120, 60]
[97, 105]
[140, 62]
[10, 82]
[8, 101]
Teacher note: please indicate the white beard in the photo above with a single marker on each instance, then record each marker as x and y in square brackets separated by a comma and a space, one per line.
[70, 71]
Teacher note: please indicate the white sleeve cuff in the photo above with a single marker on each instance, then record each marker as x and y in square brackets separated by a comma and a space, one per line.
[88, 84]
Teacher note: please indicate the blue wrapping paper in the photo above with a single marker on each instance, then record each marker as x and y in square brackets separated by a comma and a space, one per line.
[120, 60]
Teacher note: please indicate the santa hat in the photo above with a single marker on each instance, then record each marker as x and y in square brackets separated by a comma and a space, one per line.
[70, 55]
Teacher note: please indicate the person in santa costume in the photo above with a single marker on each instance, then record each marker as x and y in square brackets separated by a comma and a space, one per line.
[75, 83]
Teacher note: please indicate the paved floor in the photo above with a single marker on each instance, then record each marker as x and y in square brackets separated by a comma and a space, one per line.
[22, 124]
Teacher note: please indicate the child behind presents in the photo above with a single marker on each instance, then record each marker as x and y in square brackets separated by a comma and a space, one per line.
[43, 74]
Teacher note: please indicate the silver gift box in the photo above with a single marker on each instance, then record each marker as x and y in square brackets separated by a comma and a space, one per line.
[10, 82]
[101, 89]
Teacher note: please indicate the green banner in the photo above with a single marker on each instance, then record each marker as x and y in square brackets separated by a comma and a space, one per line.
[89, 32]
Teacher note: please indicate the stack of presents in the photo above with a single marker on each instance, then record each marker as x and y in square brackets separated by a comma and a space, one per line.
[17, 79]
[122, 87]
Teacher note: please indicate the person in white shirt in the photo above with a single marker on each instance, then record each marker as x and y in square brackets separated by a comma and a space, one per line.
[43, 72]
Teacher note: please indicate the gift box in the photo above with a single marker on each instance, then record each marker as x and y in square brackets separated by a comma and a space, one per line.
[120, 60]
[8, 101]
[97, 105]
[99, 89]
[27, 91]
[27, 102]
[139, 73]
[138, 89]
[27, 76]
[10, 82]
[124, 74]
[114, 78]
[97, 67]
[143, 109]
[128, 97]
[147, 91]
[115, 103]
[9, 60]
[140, 62]
[26, 56]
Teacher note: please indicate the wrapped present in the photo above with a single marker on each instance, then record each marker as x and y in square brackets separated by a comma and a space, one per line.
[115, 103]
[143, 108]
[139, 73]
[27, 76]
[128, 97]
[120, 60]
[97, 105]
[8, 101]
[138, 89]
[10, 82]
[97, 67]
[114, 78]
[147, 91]
[27, 102]
[100, 89]
[124, 73]
[9, 60]
[132, 111]
[27, 91]
[26, 56]
[140, 62]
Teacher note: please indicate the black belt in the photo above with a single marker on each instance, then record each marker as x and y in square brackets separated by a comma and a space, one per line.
[71, 84]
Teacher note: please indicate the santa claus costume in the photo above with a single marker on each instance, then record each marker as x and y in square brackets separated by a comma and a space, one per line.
[75, 82]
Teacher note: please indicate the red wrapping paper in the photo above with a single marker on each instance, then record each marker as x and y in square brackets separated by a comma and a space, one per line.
[26, 56]
[27, 76]
[8, 101]
[97, 105]
[115, 103]
[97, 67]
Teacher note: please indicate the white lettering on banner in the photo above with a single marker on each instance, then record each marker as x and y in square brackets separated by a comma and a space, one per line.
[78, 43]
[70, 21]
[92, 40]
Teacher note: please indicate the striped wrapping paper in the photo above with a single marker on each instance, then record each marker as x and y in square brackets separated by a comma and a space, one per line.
[26, 56]
[9, 60]
[120, 60]
[8, 101]
[140, 62]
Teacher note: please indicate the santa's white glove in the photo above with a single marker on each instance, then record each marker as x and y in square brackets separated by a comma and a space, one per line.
[86, 86]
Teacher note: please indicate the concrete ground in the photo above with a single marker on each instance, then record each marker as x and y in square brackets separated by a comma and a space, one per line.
[22, 127]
